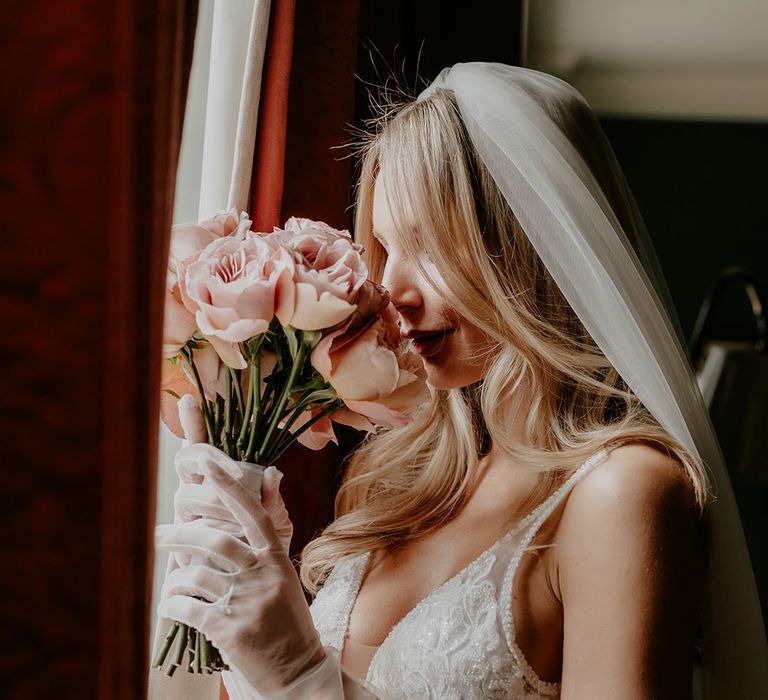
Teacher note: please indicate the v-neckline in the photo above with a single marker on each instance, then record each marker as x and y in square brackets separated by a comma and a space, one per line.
[361, 566]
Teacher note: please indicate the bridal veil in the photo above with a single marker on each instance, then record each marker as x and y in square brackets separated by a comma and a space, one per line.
[604, 263]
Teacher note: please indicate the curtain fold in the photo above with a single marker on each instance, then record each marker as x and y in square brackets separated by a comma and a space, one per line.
[214, 173]
[90, 136]
[269, 161]
[308, 101]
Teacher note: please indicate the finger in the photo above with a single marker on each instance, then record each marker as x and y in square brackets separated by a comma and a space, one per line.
[193, 501]
[190, 611]
[246, 507]
[230, 525]
[227, 552]
[198, 581]
[270, 490]
[274, 503]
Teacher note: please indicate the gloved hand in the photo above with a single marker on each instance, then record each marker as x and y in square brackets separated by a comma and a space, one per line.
[196, 499]
[199, 503]
[249, 601]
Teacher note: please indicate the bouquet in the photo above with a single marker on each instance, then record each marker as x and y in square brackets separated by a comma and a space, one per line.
[275, 335]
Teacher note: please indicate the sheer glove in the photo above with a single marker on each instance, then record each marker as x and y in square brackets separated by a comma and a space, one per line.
[197, 501]
[251, 605]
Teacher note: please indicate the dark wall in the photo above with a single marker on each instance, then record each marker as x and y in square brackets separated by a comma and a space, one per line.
[415, 41]
[701, 187]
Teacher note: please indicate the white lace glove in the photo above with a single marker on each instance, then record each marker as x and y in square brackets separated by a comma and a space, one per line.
[253, 607]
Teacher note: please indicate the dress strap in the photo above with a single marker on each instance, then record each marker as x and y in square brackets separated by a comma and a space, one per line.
[533, 522]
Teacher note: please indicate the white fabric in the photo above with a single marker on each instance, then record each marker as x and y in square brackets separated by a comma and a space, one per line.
[624, 304]
[238, 44]
[459, 641]
[214, 173]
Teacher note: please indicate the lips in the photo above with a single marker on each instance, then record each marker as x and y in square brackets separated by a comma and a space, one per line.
[427, 342]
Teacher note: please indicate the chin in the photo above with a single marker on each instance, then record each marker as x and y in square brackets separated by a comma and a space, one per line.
[443, 379]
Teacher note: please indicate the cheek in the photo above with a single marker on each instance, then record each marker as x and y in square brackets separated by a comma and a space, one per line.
[462, 361]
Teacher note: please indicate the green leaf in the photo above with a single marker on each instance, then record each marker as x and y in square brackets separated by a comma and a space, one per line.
[293, 337]
[312, 338]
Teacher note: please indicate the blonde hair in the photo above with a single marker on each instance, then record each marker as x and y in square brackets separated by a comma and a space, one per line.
[402, 483]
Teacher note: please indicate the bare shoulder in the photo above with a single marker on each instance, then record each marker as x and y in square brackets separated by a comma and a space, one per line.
[634, 482]
[627, 569]
[634, 511]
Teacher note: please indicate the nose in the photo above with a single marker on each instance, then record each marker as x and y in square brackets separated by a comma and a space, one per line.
[400, 280]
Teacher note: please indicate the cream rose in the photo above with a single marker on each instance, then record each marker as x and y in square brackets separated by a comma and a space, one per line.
[375, 380]
[232, 286]
[329, 272]
[179, 323]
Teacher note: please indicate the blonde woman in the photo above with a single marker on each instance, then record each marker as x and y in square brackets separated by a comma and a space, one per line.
[542, 527]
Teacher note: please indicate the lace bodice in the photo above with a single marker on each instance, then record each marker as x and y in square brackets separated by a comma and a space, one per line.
[459, 641]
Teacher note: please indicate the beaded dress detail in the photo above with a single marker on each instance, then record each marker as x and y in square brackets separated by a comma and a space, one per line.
[458, 643]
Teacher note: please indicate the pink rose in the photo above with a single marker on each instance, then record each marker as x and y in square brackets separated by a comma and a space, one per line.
[186, 240]
[179, 324]
[173, 379]
[232, 286]
[329, 272]
[373, 379]
[316, 437]
[179, 378]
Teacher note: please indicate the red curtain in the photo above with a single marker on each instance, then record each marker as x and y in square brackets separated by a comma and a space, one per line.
[90, 136]
[307, 98]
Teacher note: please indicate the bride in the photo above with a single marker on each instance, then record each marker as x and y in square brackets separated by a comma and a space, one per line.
[541, 527]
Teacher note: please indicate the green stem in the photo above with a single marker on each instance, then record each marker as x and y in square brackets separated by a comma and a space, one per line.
[235, 375]
[203, 401]
[167, 642]
[228, 401]
[256, 420]
[181, 646]
[279, 406]
[198, 645]
[287, 441]
[205, 655]
[253, 387]
[217, 417]
[298, 408]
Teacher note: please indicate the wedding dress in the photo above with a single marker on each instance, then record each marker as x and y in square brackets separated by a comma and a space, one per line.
[459, 641]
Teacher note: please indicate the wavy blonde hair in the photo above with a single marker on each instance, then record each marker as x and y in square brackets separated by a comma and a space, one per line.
[403, 483]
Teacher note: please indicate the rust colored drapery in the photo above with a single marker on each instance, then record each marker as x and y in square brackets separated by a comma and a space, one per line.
[88, 162]
[307, 98]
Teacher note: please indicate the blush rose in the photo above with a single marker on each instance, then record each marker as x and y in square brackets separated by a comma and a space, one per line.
[329, 272]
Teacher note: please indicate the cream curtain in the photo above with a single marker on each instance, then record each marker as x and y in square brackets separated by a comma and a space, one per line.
[214, 173]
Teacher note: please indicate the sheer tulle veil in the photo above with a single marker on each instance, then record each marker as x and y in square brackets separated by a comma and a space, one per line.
[604, 263]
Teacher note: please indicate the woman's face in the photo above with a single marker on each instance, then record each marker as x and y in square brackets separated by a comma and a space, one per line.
[453, 350]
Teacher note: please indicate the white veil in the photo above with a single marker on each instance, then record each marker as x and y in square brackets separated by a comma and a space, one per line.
[620, 295]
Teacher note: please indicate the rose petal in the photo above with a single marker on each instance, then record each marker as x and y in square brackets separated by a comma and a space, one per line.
[228, 352]
[378, 413]
[179, 324]
[314, 313]
[365, 369]
[316, 437]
